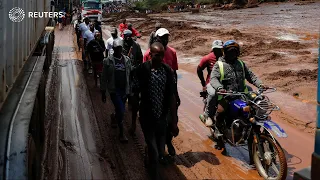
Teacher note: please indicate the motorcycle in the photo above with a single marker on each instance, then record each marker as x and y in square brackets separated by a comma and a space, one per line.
[247, 123]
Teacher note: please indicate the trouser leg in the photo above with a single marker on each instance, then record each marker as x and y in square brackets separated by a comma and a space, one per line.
[210, 108]
[153, 154]
[135, 109]
[169, 137]
[118, 100]
[161, 138]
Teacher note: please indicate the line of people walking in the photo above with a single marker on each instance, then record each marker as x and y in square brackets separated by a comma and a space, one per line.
[149, 83]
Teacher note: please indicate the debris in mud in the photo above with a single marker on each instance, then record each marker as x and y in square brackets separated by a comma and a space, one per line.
[272, 57]
[190, 44]
[304, 3]
[286, 44]
[304, 74]
[234, 32]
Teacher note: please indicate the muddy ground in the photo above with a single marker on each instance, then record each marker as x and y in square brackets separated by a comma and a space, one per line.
[278, 41]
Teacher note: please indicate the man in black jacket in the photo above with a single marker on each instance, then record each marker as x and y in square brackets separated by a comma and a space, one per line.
[96, 49]
[133, 50]
[155, 82]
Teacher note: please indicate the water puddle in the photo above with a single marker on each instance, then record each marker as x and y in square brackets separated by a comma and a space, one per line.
[288, 37]
[303, 111]
[192, 60]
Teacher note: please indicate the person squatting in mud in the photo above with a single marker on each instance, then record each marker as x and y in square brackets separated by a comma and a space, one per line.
[170, 58]
[115, 80]
[235, 72]
[133, 50]
[156, 83]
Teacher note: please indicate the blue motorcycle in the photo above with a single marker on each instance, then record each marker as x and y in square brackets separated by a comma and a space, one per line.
[247, 123]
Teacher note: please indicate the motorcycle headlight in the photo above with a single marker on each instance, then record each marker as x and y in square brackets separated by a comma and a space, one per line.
[252, 95]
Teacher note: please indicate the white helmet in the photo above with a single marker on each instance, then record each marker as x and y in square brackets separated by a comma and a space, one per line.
[217, 44]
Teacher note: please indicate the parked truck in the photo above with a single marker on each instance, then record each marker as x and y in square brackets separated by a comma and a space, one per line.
[25, 57]
[91, 9]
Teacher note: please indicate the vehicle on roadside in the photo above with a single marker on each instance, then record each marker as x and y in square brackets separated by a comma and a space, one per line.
[247, 123]
[91, 9]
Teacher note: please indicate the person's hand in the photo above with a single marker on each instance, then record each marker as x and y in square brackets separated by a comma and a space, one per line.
[204, 88]
[103, 96]
[262, 86]
[222, 90]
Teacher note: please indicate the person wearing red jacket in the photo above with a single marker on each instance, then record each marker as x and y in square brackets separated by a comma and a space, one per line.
[123, 26]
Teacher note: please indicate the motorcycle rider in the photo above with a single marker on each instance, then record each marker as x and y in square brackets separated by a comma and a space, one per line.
[134, 33]
[208, 62]
[229, 74]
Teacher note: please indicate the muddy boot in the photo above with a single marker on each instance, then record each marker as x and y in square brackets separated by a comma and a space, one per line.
[122, 137]
[113, 121]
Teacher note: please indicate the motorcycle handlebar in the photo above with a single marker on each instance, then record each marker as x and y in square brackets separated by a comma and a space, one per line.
[260, 91]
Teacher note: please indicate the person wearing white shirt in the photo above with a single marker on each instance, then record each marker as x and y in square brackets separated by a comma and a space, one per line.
[114, 35]
[83, 27]
[88, 36]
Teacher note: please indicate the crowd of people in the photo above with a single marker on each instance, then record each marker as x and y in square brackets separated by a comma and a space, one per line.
[149, 83]
[113, 7]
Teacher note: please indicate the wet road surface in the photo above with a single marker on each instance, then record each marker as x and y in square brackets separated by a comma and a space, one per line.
[72, 135]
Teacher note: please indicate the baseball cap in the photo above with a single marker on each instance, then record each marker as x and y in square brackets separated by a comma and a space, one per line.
[117, 42]
[162, 31]
[217, 44]
[127, 32]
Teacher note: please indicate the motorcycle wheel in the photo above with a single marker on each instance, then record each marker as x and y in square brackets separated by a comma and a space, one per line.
[272, 152]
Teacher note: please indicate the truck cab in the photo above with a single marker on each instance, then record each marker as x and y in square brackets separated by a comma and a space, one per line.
[91, 9]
